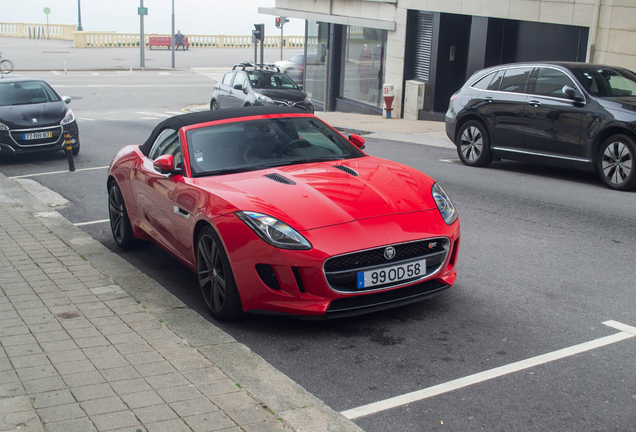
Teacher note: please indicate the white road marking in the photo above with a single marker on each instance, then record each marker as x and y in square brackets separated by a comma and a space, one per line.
[449, 160]
[174, 112]
[95, 73]
[154, 114]
[149, 118]
[56, 73]
[92, 222]
[85, 119]
[56, 172]
[394, 402]
[164, 73]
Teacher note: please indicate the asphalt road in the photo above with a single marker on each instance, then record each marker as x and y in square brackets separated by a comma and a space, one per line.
[546, 257]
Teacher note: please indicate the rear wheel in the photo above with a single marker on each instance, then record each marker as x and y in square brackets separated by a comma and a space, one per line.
[615, 162]
[214, 105]
[473, 144]
[119, 221]
[216, 278]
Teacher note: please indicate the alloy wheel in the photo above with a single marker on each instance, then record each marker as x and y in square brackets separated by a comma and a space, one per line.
[116, 210]
[616, 162]
[211, 273]
[471, 143]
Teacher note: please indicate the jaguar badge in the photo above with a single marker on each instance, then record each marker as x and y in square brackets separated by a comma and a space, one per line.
[389, 253]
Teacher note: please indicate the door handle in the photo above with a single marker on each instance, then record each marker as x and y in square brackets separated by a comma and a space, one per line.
[488, 99]
[534, 103]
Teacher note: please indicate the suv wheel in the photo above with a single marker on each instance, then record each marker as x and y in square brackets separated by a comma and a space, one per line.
[615, 162]
[473, 144]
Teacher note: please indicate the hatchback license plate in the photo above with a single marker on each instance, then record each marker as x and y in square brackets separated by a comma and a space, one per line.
[392, 274]
[37, 135]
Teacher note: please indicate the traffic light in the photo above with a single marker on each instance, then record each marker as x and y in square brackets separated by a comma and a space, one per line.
[259, 33]
[280, 21]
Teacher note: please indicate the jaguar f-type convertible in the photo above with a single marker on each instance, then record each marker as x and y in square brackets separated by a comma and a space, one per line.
[279, 213]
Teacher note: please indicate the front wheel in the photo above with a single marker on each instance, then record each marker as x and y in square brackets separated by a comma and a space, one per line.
[473, 144]
[6, 66]
[119, 221]
[214, 105]
[615, 162]
[216, 278]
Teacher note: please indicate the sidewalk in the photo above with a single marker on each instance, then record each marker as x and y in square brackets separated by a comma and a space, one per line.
[89, 343]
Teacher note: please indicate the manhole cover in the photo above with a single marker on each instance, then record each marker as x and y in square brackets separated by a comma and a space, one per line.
[67, 315]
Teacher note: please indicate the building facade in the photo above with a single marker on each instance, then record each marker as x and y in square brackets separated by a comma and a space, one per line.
[428, 48]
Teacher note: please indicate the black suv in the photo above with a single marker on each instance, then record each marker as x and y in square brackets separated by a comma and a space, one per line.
[577, 115]
[255, 85]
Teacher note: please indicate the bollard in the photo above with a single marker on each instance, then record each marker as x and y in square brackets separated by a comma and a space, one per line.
[389, 94]
[69, 151]
[64, 67]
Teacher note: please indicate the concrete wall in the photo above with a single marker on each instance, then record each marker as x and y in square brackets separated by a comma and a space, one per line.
[612, 23]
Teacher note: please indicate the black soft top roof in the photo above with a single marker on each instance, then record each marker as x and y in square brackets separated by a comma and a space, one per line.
[177, 122]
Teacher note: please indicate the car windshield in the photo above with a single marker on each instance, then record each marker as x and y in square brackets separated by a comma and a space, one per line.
[258, 144]
[26, 92]
[271, 80]
[607, 82]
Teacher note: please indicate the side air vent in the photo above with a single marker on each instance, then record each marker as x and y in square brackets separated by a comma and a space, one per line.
[279, 178]
[347, 170]
[268, 276]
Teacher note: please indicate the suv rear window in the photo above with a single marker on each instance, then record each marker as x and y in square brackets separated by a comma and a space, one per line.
[515, 80]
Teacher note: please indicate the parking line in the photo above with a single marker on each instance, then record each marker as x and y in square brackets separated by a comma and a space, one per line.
[449, 160]
[92, 222]
[57, 172]
[397, 401]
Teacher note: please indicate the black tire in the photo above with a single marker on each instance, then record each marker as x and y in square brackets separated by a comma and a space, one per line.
[216, 278]
[119, 221]
[6, 66]
[76, 149]
[615, 162]
[473, 144]
[214, 105]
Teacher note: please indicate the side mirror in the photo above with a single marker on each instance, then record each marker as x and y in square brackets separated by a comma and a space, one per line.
[165, 165]
[357, 140]
[238, 86]
[571, 93]
[67, 99]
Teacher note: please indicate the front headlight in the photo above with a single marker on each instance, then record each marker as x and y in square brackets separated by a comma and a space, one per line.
[444, 204]
[262, 98]
[273, 231]
[4, 126]
[307, 100]
[68, 118]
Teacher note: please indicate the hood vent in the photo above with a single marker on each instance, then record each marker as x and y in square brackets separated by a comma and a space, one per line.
[279, 178]
[347, 170]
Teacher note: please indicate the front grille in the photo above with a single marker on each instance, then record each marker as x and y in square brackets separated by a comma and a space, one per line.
[18, 136]
[341, 271]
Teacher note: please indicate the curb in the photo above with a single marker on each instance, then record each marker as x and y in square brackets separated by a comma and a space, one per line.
[290, 402]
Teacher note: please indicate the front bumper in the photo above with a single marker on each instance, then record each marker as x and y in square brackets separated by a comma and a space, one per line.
[288, 282]
[12, 142]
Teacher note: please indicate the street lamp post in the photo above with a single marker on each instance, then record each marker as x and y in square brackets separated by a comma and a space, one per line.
[79, 17]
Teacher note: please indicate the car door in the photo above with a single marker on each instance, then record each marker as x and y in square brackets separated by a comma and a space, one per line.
[225, 90]
[154, 191]
[553, 121]
[503, 104]
[238, 96]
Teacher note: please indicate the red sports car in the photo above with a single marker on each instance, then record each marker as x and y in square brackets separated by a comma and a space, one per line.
[279, 213]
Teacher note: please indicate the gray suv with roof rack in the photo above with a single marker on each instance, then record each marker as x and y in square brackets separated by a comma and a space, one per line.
[249, 85]
[564, 114]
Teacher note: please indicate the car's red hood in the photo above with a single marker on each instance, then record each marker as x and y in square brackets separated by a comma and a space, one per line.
[323, 195]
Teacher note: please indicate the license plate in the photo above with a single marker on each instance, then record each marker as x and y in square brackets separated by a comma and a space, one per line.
[392, 274]
[37, 135]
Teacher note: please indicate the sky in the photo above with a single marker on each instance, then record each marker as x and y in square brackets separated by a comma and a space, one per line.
[194, 17]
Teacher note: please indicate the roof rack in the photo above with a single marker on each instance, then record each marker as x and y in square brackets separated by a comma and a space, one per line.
[265, 66]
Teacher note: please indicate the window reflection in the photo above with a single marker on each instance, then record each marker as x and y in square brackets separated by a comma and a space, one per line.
[364, 65]
[315, 71]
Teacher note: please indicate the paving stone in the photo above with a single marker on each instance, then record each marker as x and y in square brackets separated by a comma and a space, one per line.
[8, 376]
[5, 364]
[135, 317]
[53, 398]
[100, 352]
[117, 420]
[63, 357]
[155, 413]
[209, 422]
[167, 380]
[23, 339]
[95, 391]
[107, 321]
[200, 376]
[63, 345]
[103, 406]
[14, 331]
[21, 421]
[84, 332]
[144, 357]
[133, 347]
[82, 424]
[52, 336]
[44, 385]
[177, 353]
[130, 386]
[129, 337]
[118, 374]
[195, 362]
[113, 329]
[181, 393]
[194, 407]
[266, 426]
[168, 426]
[61, 412]
[218, 387]
[83, 379]
[114, 361]
[157, 368]
[91, 342]
[75, 367]
[145, 325]
[142, 399]
[15, 404]
[232, 400]
[23, 350]
[249, 415]
[157, 334]
[37, 372]
[26, 361]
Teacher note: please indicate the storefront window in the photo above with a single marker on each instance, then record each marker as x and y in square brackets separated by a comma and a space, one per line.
[364, 65]
[315, 71]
